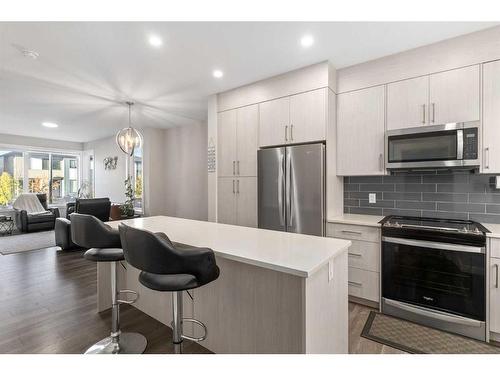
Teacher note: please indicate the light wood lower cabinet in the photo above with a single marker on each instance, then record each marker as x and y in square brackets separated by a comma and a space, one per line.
[364, 259]
[495, 295]
[237, 201]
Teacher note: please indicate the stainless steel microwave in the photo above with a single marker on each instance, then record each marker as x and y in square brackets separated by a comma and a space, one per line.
[436, 146]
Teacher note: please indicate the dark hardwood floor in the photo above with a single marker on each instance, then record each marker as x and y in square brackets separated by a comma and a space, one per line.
[48, 305]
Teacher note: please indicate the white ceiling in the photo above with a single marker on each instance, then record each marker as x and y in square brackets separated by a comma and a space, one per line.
[86, 70]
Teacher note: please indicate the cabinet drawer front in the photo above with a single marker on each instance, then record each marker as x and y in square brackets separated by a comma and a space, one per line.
[365, 255]
[354, 232]
[364, 284]
[495, 248]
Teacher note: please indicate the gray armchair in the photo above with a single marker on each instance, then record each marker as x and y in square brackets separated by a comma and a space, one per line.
[35, 222]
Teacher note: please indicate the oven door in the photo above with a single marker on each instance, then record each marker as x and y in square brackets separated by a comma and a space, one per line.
[445, 277]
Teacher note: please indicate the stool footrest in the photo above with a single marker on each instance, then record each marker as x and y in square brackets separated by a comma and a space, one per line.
[128, 291]
[195, 321]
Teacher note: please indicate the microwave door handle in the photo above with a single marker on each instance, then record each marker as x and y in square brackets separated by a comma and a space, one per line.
[460, 144]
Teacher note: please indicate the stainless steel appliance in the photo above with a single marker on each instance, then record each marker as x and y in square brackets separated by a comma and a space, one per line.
[291, 189]
[434, 273]
[436, 146]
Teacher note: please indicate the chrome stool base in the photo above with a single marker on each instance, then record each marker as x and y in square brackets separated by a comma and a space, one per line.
[129, 343]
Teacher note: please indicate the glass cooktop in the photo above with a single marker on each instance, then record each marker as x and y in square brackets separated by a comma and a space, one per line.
[433, 224]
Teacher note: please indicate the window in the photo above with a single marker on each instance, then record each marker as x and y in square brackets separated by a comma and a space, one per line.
[56, 175]
[137, 178]
[11, 176]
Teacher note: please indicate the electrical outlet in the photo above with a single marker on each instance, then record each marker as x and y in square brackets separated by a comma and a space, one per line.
[330, 270]
[372, 198]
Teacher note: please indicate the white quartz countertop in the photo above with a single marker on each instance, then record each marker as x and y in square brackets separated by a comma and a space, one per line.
[493, 228]
[296, 254]
[354, 219]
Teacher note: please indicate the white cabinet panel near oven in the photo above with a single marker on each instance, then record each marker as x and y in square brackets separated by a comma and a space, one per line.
[491, 117]
[408, 103]
[360, 132]
[454, 96]
[495, 295]
[364, 284]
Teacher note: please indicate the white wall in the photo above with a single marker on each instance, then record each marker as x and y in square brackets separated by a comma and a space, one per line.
[212, 176]
[155, 170]
[108, 183]
[185, 161]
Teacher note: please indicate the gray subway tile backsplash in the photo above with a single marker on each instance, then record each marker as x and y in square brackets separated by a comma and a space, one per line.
[441, 193]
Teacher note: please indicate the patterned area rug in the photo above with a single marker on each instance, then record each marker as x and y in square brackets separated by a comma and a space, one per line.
[414, 338]
[19, 243]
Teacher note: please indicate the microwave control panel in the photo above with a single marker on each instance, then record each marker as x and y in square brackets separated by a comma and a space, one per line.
[470, 144]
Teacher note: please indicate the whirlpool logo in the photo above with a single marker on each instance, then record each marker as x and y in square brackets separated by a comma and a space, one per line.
[428, 299]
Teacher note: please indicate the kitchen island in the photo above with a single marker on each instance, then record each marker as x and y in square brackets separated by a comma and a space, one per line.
[277, 292]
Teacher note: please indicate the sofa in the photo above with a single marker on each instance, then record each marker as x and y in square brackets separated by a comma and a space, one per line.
[98, 207]
[27, 223]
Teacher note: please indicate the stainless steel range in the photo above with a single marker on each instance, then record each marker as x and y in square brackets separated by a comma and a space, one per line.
[434, 273]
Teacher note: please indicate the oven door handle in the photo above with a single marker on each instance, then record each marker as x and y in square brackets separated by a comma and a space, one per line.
[436, 245]
[433, 314]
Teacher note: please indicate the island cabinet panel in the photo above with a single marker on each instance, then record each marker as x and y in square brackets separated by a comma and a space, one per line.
[408, 103]
[360, 132]
[454, 96]
[491, 117]
[308, 116]
[274, 121]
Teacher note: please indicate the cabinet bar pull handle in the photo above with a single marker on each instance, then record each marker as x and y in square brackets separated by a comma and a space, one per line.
[353, 283]
[351, 232]
[381, 162]
[487, 157]
[238, 167]
[355, 255]
[233, 167]
[233, 186]
[237, 186]
[286, 133]
[291, 132]
[496, 277]
[433, 112]
[423, 114]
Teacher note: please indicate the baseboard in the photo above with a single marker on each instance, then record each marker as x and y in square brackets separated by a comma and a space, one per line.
[365, 302]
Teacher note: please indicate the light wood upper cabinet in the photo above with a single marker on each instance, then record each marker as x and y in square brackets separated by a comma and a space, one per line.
[360, 132]
[237, 201]
[308, 114]
[454, 96]
[226, 143]
[298, 118]
[237, 139]
[408, 103]
[247, 140]
[491, 118]
[274, 120]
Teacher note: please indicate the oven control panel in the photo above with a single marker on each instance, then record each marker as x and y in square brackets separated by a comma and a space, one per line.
[470, 144]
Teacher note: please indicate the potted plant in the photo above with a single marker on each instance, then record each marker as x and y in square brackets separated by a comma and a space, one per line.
[127, 209]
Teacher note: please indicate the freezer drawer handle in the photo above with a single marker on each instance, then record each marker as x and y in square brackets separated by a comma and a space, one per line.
[354, 283]
[355, 255]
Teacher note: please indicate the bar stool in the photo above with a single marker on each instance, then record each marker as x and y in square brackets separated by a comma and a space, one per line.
[169, 267]
[105, 246]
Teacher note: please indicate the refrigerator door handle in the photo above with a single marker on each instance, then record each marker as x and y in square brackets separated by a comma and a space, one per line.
[281, 178]
[288, 188]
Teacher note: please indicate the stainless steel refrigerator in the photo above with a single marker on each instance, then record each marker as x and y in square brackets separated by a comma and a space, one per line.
[291, 188]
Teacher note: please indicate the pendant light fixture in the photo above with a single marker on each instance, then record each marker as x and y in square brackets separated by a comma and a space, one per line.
[129, 139]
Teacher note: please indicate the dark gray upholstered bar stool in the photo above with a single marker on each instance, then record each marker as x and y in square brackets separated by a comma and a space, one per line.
[105, 246]
[169, 267]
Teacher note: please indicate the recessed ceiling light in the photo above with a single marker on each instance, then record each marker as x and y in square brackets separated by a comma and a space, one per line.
[217, 73]
[307, 41]
[50, 124]
[155, 40]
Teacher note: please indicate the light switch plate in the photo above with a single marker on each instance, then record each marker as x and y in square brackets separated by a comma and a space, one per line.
[372, 198]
